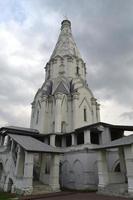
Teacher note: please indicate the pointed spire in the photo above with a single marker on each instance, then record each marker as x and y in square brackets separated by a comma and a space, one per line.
[65, 44]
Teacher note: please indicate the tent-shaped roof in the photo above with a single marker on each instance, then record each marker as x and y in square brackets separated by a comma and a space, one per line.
[65, 44]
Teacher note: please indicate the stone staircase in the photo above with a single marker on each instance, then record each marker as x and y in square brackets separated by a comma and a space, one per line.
[116, 189]
[40, 188]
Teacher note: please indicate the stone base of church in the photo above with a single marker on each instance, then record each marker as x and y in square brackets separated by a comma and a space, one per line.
[114, 190]
[26, 191]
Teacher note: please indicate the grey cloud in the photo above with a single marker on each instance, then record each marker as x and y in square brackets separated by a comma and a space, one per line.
[128, 115]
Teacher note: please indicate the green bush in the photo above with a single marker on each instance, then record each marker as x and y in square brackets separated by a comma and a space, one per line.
[6, 196]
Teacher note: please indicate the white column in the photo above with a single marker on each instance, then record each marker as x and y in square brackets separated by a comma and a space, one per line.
[98, 111]
[58, 113]
[122, 161]
[106, 135]
[63, 141]
[87, 139]
[54, 172]
[102, 169]
[43, 114]
[28, 169]
[128, 150]
[43, 166]
[74, 139]
[93, 103]
[52, 140]
[17, 162]
[75, 110]
[32, 114]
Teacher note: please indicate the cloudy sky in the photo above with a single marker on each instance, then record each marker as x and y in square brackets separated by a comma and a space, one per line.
[103, 31]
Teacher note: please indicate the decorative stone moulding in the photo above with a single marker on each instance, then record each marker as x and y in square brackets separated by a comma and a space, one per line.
[98, 106]
[59, 95]
[100, 128]
[69, 59]
[44, 98]
[75, 95]
[93, 101]
[33, 104]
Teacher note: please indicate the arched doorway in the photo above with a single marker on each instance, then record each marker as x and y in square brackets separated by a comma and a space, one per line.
[10, 184]
[78, 174]
[117, 168]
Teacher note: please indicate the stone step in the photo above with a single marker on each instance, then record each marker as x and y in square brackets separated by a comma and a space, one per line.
[39, 188]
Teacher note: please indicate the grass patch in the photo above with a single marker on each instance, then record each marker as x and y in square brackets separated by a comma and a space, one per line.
[6, 196]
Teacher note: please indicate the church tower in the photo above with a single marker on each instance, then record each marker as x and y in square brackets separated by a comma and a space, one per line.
[64, 102]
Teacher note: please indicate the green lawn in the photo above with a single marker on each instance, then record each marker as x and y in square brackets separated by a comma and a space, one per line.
[6, 196]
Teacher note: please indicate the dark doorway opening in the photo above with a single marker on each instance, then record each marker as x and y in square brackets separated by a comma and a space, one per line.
[94, 137]
[68, 140]
[80, 138]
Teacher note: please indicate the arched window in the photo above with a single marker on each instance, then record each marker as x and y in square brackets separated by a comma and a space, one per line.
[85, 115]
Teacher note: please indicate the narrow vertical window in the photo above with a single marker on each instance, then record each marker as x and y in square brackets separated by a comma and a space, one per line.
[85, 115]
[37, 117]
[77, 70]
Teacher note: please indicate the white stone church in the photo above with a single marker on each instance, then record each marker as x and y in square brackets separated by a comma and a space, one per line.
[66, 145]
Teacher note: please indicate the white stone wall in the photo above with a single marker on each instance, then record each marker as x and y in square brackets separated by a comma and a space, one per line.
[68, 113]
[78, 172]
[11, 181]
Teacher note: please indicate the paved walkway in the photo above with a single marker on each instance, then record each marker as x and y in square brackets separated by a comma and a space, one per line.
[76, 196]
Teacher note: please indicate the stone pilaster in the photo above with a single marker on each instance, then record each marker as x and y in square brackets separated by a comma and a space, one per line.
[94, 116]
[32, 114]
[52, 140]
[43, 166]
[74, 139]
[87, 138]
[75, 109]
[102, 169]
[122, 161]
[98, 111]
[19, 172]
[43, 114]
[54, 172]
[63, 141]
[128, 150]
[106, 135]
[17, 162]
[28, 169]
[58, 97]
